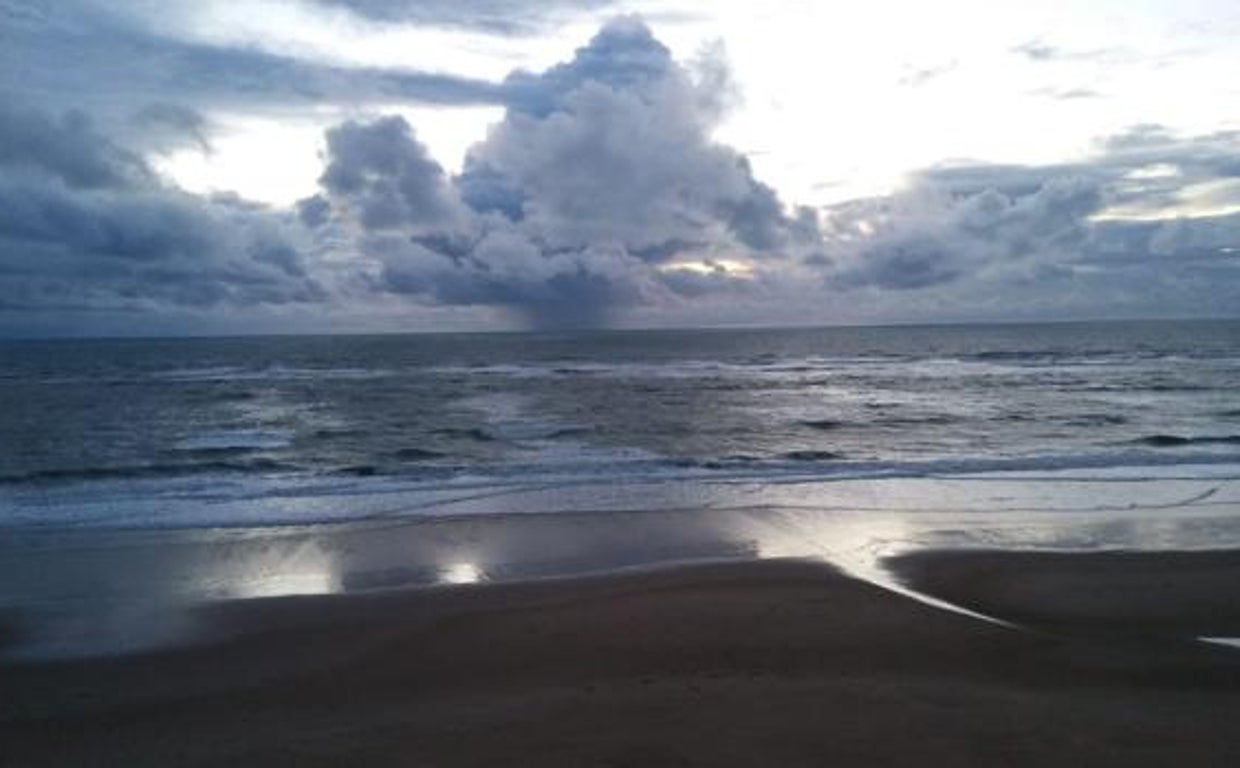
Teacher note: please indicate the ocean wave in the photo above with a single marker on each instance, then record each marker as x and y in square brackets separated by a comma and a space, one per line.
[1176, 441]
[1095, 420]
[1139, 386]
[477, 434]
[234, 440]
[147, 471]
[1005, 366]
[824, 424]
[811, 455]
[418, 454]
[271, 373]
[912, 421]
[555, 456]
[364, 492]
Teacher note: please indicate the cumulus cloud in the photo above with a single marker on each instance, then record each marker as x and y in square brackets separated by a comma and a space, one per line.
[599, 180]
[86, 225]
[599, 196]
[386, 177]
[932, 234]
[1130, 231]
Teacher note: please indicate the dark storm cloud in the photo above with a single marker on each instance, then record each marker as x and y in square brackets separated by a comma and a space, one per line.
[66, 148]
[80, 55]
[601, 173]
[386, 176]
[581, 201]
[84, 223]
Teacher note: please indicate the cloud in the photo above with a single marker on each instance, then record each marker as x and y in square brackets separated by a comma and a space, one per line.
[1040, 51]
[1199, 157]
[85, 225]
[1113, 235]
[600, 197]
[120, 68]
[67, 149]
[601, 175]
[1037, 50]
[502, 17]
[930, 235]
[165, 126]
[386, 177]
[916, 77]
[1066, 94]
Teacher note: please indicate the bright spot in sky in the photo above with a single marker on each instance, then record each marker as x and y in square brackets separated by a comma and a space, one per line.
[278, 161]
[448, 132]
[259, 158]
[728, 267]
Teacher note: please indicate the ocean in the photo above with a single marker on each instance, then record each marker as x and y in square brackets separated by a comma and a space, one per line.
[278, 465]
[307, 417]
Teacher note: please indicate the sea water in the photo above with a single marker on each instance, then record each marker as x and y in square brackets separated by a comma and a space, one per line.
[91, 431]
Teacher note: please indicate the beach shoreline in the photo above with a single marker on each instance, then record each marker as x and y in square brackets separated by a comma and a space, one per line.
[784, 662]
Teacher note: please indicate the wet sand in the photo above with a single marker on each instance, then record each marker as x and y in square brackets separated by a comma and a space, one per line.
[1120, 596]
[776, 663]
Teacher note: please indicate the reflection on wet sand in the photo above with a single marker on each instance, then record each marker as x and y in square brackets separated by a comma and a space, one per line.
[305, 567]
[461, 573]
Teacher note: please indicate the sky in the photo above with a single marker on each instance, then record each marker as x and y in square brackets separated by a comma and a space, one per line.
[172, 167]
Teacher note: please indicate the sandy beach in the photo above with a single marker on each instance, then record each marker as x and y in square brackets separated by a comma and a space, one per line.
[1121, 596]
[764, 663]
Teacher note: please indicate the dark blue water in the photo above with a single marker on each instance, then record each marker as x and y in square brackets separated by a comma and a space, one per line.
[193, 419]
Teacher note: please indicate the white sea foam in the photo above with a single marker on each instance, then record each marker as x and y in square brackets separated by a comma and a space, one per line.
[269, 373]
[631, 482]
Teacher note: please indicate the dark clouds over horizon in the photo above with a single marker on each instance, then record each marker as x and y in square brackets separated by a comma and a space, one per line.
[601, 197]
[87, 226]
[1039, 236]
